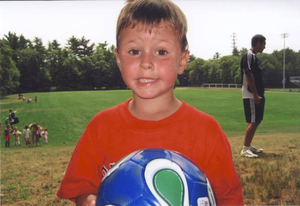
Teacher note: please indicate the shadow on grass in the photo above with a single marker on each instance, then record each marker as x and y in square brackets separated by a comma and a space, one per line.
[3, 97]
[270, 156]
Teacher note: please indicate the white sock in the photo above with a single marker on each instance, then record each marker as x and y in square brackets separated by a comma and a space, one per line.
[246, 148]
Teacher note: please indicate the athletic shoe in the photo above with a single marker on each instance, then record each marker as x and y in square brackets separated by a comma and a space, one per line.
[256, 151]
[248, 153]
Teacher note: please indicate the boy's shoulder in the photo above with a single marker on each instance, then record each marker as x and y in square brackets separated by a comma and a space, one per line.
[112, 110]
[110, 113]
[196, 113]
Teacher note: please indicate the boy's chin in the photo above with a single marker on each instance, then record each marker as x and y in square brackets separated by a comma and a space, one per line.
[153, 95]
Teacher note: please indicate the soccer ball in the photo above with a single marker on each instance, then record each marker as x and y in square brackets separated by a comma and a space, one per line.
[155, 177]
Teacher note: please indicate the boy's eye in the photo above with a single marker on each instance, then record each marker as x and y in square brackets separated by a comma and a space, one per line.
[134, 52]
[161, 52]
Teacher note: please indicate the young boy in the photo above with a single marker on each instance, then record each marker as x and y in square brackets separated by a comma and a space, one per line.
[151, 51]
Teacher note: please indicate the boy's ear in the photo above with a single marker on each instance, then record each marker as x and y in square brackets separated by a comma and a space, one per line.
[117, 56]
[184, 61]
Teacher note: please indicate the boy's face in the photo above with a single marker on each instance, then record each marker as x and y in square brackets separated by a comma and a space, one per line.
[261, 46]
[150, 60]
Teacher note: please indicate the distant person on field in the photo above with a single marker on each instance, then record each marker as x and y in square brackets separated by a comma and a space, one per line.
[34, 133]
[152, 49]
[26, 133]
[17, 134]
[11, 118]
[7, 135]
[35, 99]
[40, 129]
[45, 135]
[253, 93]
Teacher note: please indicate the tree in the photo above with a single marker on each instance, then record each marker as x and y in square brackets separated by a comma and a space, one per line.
[23, 43]
[9, 73]
[243, 51]
[87, 73]
[28, 65]
[271, 70]
[40, 51]
[54, 61]
[83, 49]
[192, 57]
[217, 56]
[292, 63]
[229, 66]
[197, 74]
[31, 63]
[214, 72]
[73, 45]
[235, 52]
[13, 40]
[108, 73]
[69, 76]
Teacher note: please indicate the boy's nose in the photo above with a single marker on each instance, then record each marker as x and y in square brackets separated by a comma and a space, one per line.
[146, 66]
[146, 63]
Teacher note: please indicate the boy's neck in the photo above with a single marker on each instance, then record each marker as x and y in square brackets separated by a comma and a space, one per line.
[153, 110]
[253, 49]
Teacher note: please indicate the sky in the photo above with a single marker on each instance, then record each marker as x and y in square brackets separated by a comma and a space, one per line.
[211, 23]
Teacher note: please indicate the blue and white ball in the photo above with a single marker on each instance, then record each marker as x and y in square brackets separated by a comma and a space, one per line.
[155, 177]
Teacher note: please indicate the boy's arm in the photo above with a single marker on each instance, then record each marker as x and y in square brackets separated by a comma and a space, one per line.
[83, 175]
[252, 86]
[220, 169]
[249, 76]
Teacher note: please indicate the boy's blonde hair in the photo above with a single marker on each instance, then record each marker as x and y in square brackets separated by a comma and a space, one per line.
[151, 13]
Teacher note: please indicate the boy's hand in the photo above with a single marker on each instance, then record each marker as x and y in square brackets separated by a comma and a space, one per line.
[256, 99]
[86, 200]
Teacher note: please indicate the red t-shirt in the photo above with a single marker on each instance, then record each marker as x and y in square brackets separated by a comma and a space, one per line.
[114, 133]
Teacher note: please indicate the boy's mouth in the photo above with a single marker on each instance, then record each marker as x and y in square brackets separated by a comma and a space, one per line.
[144, 80]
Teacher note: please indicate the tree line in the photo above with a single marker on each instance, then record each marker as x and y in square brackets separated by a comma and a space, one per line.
[29, 66]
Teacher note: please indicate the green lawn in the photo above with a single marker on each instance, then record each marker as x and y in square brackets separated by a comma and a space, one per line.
[31, 176]
[66, 114]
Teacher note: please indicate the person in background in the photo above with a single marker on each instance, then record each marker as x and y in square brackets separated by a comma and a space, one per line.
[45, 135]
[39, 131]
[34, 133]
[11, 118]
[7, 135]
[26, 133]
[17, 134]
[253, 93]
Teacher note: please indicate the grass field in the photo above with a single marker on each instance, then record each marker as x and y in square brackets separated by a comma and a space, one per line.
[31, 176]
